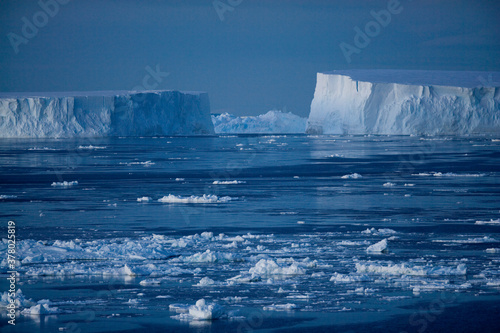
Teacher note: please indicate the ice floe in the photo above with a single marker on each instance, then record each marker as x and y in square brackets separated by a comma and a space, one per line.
[40, 309]
[91, 147]
[228, 182]
[200, 311]
[378, 247]
[64, 184]
[352, 176]
[407, 269]
[7, 196]
[490, 222]
[205, 199]
[280, 307]
[448, 174]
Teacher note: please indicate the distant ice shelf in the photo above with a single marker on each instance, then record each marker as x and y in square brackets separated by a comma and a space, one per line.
[104, 113]
[405, 102]
[273, 122]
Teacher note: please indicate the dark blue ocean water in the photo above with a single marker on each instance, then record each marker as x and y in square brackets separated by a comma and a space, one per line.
[434, 199]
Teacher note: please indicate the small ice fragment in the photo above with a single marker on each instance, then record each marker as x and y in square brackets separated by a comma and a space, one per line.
[204, 311]
[280, 307]
[389, 184]
[231, 182]
[64, 184]
[205, 199]
[490, 222]
[7, 196]
[40, 309]
[144, 199]
[379, 247]
[179, 308]
[150, 282]
[90, 147]
[207, 234]
[352, 176]
[349, 278]
[206, 281]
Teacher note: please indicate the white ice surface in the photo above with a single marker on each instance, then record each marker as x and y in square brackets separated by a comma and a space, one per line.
[352, 176]
[405, 102]
[228, 182]
[20, 300]
[40, 309]
[408, 269]
[205, 199]
[490, 222]
[201, 311]
[378, 247]
[286, 268]
[102, 114]
[64, 184]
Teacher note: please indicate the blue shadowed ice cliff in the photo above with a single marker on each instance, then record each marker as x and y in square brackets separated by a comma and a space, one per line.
[101, 114]
[405, 102]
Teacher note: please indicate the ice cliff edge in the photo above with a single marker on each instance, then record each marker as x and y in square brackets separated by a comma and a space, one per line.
[101, 114]
[405, 102]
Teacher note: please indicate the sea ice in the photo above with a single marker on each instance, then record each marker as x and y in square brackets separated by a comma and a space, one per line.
[206, 281]
[490, 222]
[352, 176]
[378, 247]
[205, 199]
[205, 311]
[280, 307]
[65, 184]
[210, 257]
[20, 300]
[269, 268]
[232, 182]
[7, 196]
[349, 278]
[40, 309]
[406, 269]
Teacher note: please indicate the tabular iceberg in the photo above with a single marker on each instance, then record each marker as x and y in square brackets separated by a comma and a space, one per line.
[101, 114]
[405, 102]
[272, 122]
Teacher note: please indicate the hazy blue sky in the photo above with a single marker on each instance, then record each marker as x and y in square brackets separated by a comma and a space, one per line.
[264, 55]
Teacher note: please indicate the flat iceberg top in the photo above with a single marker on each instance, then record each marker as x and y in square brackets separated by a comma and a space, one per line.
[106, 93]
[465, 79]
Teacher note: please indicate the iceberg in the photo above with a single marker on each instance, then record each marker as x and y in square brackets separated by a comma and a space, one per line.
[405, 102]
[273, 122]
[102, 114]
